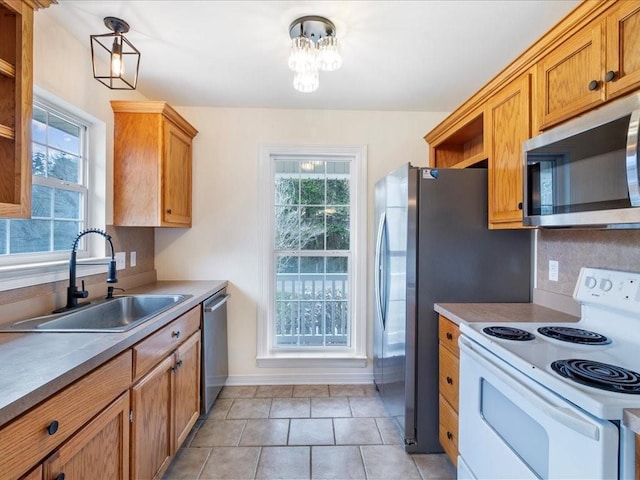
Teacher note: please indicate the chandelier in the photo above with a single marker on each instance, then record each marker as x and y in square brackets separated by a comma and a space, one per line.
[314, 47]
[115, 60]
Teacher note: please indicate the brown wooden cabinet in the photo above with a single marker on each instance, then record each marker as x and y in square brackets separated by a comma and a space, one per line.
[166, 399]
[448, 386]
[460, 146]
[622, 72]
[152, 165]
[508, 124]
[100, 450]
[35, 474]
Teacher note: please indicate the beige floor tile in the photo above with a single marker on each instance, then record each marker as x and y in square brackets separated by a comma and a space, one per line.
[187, 464]
[356, 431]
[435, 466]
[220, 408]
[250, 408]
[238, 392]
[311, 391]
[219, 433]
[388, 462]
[330, 407]
[274, 391]
[311, 431]
[389, 431]
[265, 432]
[347, 390]
[284, 463]
[289, 408]
[235, 463]
[339, 462]
[367, 407]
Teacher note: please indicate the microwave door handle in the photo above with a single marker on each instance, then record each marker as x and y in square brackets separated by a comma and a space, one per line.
[633, 160]
[561, 415]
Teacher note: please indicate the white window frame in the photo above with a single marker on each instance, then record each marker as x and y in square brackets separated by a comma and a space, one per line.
[23, 270]
[335, 356]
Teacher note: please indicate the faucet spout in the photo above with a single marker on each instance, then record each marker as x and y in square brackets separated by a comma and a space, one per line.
[73, 293]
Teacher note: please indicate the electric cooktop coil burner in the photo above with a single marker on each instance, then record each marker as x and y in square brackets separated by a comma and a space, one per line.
[599, 375]
[509, 333]
[574, 335]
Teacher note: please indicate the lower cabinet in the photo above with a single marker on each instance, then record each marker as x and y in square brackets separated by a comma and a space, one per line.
[100, 450]
[448, 387]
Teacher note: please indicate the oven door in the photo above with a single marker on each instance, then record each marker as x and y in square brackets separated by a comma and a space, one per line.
[512, 427]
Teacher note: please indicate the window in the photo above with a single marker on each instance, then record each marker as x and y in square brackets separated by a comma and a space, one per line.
[59, 192]
[314, 237]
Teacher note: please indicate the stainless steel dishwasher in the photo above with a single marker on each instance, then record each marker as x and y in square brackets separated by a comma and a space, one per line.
[215, 364]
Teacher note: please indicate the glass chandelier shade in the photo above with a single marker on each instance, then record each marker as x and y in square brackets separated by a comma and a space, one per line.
[314, 47]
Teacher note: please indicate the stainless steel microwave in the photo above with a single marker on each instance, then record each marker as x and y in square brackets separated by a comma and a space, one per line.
[585, 171]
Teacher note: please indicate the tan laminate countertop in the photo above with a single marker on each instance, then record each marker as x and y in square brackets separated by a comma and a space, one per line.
[501, 312]
[34, 366]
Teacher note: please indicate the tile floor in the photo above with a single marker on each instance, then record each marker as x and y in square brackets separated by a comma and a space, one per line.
[301, 432]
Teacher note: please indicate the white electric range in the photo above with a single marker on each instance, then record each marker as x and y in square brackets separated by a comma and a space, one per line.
[546, 400]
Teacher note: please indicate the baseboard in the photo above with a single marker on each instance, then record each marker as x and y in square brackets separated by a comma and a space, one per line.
[301, 379]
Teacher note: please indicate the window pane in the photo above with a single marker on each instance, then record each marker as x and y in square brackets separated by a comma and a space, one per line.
[312, 228]
[337, 228]
[64, 166]
[287, 264]
[39, 126]
[287, 228]
[64, 235]
[287, 191]
[63, 135]
[30, 236]
[39, 160]
[337, 192]
[312, 191]
[3, 236]
[67, 204]
[41, 201]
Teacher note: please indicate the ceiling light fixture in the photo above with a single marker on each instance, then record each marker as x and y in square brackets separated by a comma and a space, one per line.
[314, 47]
[115, 60]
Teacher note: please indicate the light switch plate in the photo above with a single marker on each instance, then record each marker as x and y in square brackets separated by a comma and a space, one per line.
[553, 270]
[120, 261]
[133, 260]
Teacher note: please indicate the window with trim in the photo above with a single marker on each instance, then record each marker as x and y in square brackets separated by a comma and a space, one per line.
[59, 192]
[315, 237]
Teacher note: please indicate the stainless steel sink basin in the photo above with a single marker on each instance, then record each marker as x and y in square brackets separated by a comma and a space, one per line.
[118, 314]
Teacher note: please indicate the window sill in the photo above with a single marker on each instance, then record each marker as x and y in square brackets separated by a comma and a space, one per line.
[311, 360]
[20, 276]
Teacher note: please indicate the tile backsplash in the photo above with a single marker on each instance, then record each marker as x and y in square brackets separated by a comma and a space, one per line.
[573, 249]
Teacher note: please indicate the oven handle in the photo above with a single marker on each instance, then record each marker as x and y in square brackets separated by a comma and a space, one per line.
[633, 159]
[560, 414]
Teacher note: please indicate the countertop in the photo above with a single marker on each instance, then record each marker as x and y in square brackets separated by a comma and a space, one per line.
[501, 312]
[33, 366]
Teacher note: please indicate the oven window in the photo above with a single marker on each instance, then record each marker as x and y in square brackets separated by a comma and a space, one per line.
[526, 437]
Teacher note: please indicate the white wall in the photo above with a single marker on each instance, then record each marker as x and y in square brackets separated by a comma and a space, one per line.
[224, 242]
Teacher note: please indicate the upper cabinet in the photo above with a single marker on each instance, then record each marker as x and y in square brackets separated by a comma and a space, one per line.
[596, 64]
[152, 165]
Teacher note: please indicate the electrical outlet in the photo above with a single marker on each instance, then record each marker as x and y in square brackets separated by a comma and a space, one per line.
[553, 270]
[133, 259]
[120, 261]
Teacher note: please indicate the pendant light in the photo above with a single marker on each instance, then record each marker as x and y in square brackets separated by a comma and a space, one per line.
[115, 60]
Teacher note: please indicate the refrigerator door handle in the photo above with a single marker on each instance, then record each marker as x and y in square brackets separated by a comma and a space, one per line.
[379, 267]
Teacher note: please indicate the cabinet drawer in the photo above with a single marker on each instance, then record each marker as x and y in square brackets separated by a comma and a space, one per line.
[154, 348]
[448, 430]
[449, 333]
[25, 441]
[448, 382]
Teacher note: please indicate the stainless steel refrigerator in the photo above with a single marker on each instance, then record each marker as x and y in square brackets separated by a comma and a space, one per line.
[433, 246]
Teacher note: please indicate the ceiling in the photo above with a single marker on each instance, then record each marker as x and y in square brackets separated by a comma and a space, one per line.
[427, 55]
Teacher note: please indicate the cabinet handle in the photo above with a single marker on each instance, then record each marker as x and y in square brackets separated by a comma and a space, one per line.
[593, 85]
[175, 333]
[52, 427]
[610, 76]
[169, 211]
[60, 476]
[179, 363]
[450, 435]
[449, 336]
[450, 380]
[519, 205]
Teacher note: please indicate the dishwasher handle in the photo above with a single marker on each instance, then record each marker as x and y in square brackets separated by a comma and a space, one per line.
[213, 307]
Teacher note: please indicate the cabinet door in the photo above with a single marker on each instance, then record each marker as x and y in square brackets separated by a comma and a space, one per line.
[187, 388]
[176, 177]
[507, 121]
[623, 49]
[151, 431]
[99, 451]
[35, 474]
[565, 74]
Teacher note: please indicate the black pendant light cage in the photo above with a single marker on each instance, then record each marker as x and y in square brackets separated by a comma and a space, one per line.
[115, 60]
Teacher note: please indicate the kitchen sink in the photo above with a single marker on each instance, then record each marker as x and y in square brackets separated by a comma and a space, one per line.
[117, 314]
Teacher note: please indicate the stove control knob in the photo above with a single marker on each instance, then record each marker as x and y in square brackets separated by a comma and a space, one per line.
[606, 284]
[590, 282]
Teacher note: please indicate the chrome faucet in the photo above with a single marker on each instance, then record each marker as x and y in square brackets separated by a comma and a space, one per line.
[73, 293]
